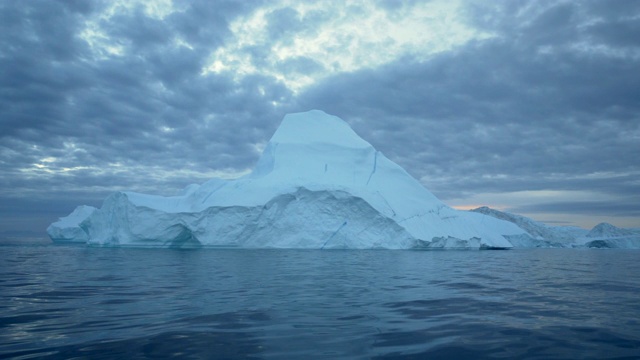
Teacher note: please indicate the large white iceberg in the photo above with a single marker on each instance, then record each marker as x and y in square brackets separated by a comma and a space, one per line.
[317, 185]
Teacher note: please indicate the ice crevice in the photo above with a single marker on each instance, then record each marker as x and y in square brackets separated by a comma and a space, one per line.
[386, 203]
[334, 234]
[412, 217]
[375, 165]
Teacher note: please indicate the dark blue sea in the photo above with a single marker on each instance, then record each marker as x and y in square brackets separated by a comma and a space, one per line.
[74, 302]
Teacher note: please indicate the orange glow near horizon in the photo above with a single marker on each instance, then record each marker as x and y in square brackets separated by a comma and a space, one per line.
[475, 206]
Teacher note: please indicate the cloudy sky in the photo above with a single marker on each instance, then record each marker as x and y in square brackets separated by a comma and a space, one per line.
[527, 106]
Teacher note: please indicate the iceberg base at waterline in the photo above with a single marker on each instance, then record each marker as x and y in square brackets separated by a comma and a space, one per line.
[317, 185]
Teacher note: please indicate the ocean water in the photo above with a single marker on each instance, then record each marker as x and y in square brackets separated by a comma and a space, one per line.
[63, 302]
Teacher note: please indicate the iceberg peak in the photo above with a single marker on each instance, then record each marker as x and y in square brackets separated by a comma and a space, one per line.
[607, 230]
[317, 127]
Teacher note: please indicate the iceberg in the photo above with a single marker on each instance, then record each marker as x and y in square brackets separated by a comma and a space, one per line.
[606, 230]
[539, 235]
[317, 185]
[67, 229]
[605, 235]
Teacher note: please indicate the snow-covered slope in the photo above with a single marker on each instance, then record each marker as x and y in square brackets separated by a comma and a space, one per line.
[316, 185]
[67, 229]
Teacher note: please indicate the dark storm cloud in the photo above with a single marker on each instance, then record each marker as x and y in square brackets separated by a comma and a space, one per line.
[525, 110]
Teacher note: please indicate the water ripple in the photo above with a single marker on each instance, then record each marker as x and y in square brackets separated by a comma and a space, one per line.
[62, 302]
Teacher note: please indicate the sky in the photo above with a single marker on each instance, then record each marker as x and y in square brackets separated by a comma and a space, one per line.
[530, 107]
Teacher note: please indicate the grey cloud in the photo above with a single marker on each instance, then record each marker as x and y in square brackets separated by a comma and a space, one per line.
[55, 94]
[205, 23]
[611, 10]
[283, 27]
[554, 25]
[500, 107]
[597, 208]
[525, 105]
[395, 6]
[300, 65]
[621, 32]
[139, 30]
[285, 24]
[110, 96]
[282, 22]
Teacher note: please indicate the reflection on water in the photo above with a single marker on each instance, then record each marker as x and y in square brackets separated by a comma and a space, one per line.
[66, 302]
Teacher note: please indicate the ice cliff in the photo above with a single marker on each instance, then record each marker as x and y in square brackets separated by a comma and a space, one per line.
[67, 229]
[316, 185]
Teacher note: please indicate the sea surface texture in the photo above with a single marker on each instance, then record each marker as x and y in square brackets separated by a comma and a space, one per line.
[64, 302]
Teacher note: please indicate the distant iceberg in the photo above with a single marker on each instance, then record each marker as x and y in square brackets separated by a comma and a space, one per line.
[317, 185]
[606, 230]
[605, 235]
[539, 235]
